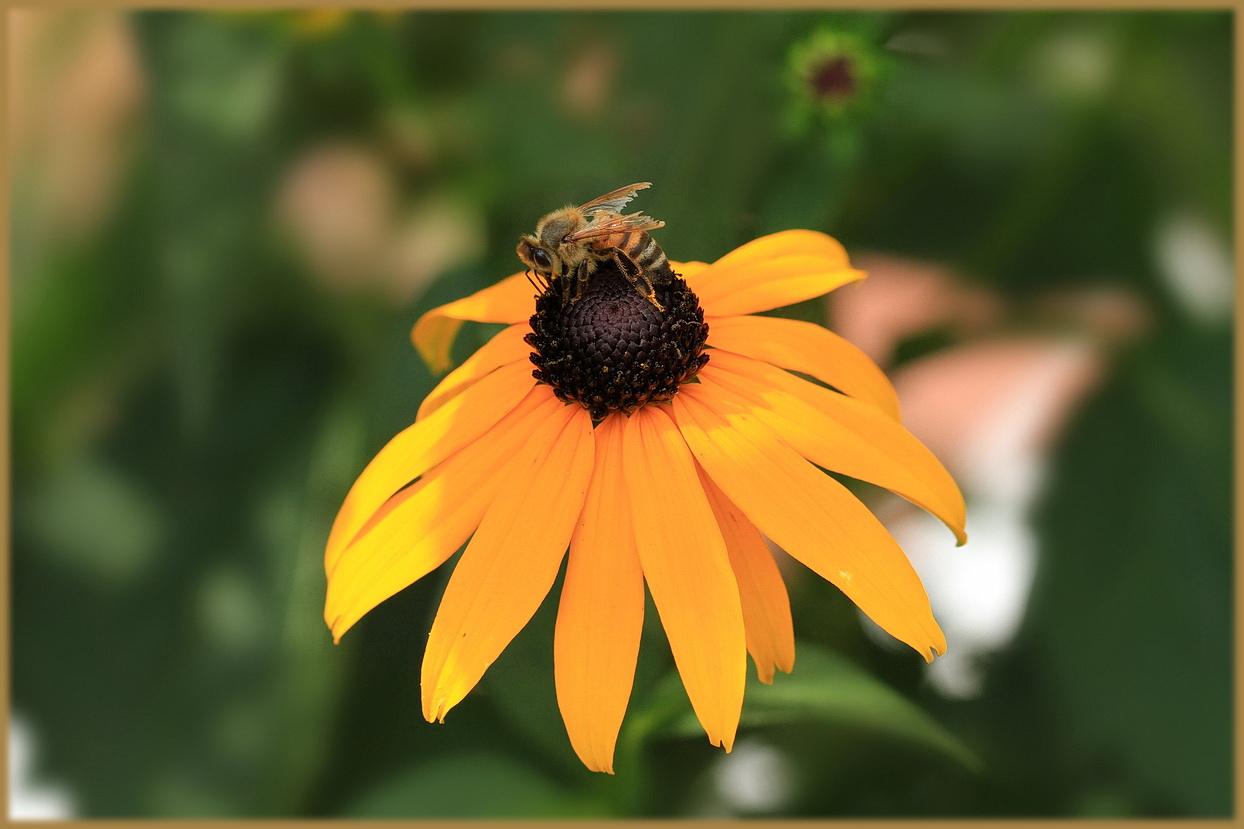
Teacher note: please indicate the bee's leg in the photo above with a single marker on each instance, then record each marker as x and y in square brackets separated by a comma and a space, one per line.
[635, 275]
[583, 276]
[579, 280]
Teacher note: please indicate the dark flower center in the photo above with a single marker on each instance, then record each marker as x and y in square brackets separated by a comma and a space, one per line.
[612, 350]
[833, 79]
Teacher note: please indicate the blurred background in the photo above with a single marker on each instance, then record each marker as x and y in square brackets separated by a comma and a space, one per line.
[224, 226]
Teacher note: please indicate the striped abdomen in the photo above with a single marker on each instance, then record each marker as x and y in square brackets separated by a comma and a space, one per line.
[641, 249]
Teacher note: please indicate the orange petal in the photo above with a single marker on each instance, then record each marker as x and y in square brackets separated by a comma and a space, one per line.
[687, 569]
[506, 347]
[773, 271]
[418, 448]
[511, 300]
[795, 242]
[766, 607]
[417, 529]
[689, 271]
[602, 610]
[842, 434]
[808, 348]
[808, 513]
[512, 560]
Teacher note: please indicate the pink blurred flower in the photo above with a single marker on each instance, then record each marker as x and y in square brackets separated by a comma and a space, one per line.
[991, 408]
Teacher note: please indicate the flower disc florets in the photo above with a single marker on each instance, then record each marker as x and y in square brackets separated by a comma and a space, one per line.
[613, 350]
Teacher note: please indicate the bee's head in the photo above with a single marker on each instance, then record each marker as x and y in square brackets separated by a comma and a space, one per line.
[547, 251]
[536, 256]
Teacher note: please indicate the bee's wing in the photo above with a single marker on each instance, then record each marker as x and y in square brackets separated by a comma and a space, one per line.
[616, 224]
[614, 200]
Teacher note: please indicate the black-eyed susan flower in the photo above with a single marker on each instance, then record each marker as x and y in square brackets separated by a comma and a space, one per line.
[642, 463]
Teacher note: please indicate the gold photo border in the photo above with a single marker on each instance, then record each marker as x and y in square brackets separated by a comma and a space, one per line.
[638, 5]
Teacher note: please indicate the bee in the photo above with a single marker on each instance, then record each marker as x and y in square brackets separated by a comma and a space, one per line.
[572, 243]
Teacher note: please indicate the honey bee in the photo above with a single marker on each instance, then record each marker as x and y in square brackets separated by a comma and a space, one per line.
[572, 243]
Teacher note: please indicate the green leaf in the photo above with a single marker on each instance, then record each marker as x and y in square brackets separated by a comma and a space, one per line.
[824, 688]
[1135, 602]
[471, 785]
[97, 523]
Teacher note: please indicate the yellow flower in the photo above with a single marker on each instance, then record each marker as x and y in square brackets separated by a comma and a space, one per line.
[676, 494]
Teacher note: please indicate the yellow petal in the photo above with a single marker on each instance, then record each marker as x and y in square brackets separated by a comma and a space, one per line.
[601, 614]
[687, 569]
[770, 284]
[808, 348]
[418, 448]
[797, 242]
[807, 513]
[766, 607]
[842, 434]
[688, 270]
[511, 561]
[773, 271]
[511, 300]
[417, 529]
[506, 347]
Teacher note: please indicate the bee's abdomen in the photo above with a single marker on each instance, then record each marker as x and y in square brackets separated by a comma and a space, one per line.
[644, 251]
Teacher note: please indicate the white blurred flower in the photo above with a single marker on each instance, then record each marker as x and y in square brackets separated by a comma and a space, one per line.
[31, 798]
[1196, 264]
[755, 778]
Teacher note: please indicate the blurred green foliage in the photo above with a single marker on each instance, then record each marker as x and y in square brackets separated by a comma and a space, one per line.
[193, 392]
